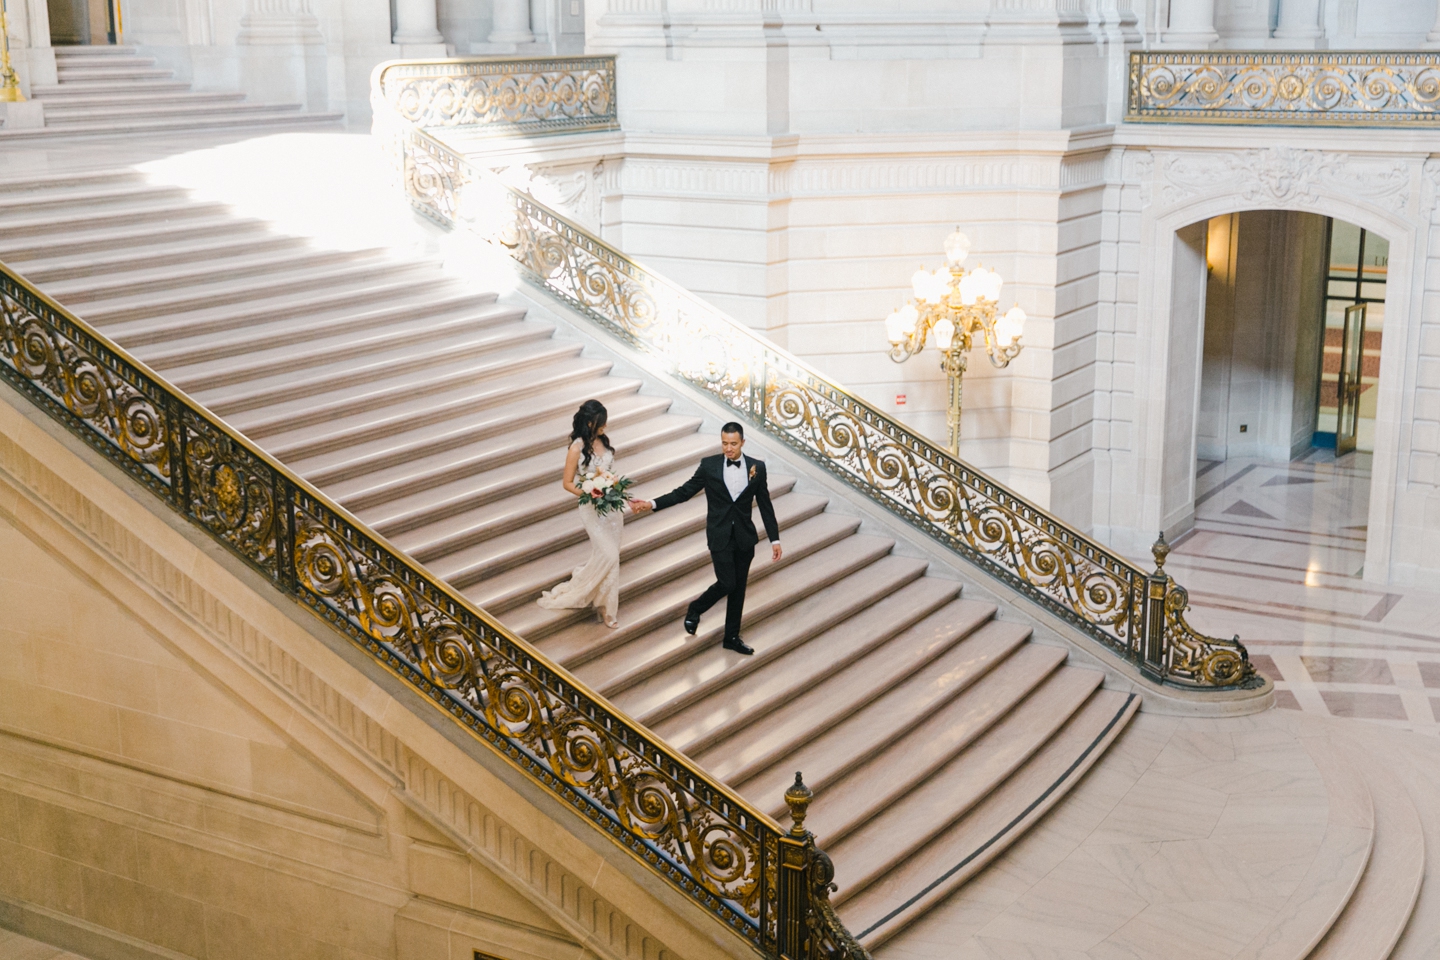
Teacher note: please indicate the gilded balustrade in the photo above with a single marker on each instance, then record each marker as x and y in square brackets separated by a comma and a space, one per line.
[1319, 88]
[1137, 615]
[733, 860]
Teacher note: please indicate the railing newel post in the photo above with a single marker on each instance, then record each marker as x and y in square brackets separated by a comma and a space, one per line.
[1154, 658]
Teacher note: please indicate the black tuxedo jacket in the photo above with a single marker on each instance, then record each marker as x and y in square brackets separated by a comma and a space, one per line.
[728, 521]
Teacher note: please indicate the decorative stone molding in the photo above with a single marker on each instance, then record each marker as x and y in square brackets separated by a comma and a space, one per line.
[1284, 177]
[1138, 169]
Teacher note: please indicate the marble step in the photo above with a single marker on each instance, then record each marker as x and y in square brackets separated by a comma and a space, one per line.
[84, 197]
[63, 182]
[445, 523]
[137, 211]
[280, 115]
[924, 617]
[1378, 914]
[152, 108]
[78, 50]
[648, 693]
[217, 251]
[332, 452]
[64, 97]
[1330, 882]
[278, 283]
[877, 908]
[144, 70]
[510, 374]
[144, 235]
[268, 264]
[44, 91]
[348, 346]
[443, 470]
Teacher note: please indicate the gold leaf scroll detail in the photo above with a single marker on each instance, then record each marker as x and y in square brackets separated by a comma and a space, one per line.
[562, 732]
[85, 380]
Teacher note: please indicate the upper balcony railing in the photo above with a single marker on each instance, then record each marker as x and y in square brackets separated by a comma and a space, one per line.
[1309, 89]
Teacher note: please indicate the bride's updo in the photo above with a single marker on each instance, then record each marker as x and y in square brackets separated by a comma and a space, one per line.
[586, 426]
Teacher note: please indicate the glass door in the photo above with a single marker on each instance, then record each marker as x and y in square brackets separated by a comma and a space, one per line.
[1352, 350]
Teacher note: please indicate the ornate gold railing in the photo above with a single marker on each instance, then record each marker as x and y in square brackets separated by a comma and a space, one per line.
[503, 97]
[1139, 616]
[1313, 89]
[761, 881]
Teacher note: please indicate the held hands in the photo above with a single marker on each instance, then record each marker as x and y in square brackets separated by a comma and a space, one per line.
[640, 507]
[774, 552]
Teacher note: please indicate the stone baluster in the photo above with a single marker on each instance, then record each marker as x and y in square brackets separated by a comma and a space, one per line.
[1299, 23]
[1192, 23]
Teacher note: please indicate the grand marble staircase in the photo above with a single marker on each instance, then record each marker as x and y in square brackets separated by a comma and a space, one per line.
[112, 89]
[932, 728]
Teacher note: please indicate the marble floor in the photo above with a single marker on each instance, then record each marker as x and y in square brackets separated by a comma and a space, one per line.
[1277, 556]
[15, 947]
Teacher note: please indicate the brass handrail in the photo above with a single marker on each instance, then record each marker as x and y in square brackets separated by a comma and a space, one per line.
[727, 856]
[1140, 616]
[1310, 88]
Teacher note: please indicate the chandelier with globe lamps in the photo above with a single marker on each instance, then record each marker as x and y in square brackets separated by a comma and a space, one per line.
[955, 306]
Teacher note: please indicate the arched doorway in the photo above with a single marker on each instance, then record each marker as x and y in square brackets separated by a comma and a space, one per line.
[1294, 308]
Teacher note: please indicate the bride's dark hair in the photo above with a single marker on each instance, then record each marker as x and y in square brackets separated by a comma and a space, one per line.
[585, 427]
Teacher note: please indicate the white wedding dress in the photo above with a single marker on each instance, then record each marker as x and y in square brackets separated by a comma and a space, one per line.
[597, 582]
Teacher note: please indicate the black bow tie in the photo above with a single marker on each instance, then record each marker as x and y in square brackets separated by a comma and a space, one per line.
[734, 463]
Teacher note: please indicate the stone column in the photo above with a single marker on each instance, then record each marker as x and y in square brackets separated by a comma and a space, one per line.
[1192, 23]
[416, 22]
[282, 54]
[511, 22]
[1299, 23]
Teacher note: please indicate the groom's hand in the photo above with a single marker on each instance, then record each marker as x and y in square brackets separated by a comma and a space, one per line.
[774, 552]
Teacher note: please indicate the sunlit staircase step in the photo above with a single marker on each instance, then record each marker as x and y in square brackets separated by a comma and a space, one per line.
[275, 409]
[696, 724]
[899, 829]
[158, 109]
[136, 211]
[819, 551]
[499, 578]
[44, 91]
[337, 454]
[352, 345]
[643, 691]
[909, 685]
[142, 235]
[85, 197]
[214, 252]
[265, 264]
[278, 283]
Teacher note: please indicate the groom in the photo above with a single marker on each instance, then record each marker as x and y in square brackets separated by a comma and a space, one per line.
[732, 483]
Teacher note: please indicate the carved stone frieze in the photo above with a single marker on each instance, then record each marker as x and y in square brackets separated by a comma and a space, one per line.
[1284, 177]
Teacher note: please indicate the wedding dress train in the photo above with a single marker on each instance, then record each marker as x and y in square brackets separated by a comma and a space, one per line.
[597, 582]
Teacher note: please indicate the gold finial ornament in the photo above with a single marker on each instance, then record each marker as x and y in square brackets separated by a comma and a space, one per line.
[9, 82]
[798, 797]
[1160, 550]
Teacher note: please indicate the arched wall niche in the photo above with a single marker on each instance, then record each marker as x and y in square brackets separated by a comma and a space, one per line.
[1179, 191]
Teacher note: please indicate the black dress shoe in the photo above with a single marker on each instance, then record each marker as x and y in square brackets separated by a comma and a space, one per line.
[739, 646]
[691, 625]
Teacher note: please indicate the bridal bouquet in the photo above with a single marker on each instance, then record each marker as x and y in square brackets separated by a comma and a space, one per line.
[605, 491]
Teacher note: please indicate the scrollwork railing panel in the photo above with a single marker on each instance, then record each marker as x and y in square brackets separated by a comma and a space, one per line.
[1311, 88]
[542, 95]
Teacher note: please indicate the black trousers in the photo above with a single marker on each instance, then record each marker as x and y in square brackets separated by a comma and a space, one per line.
[732, 570]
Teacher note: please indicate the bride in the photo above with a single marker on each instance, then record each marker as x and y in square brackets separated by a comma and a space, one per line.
[597, 583]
